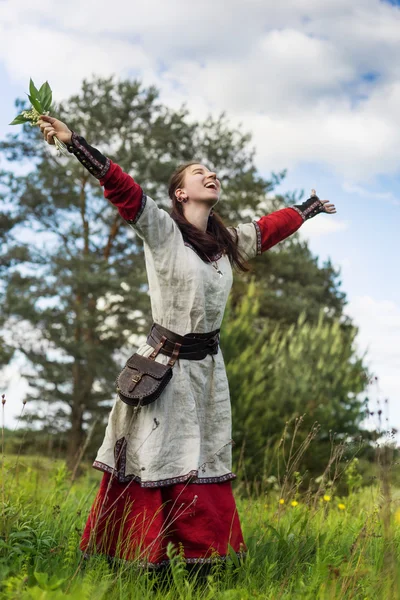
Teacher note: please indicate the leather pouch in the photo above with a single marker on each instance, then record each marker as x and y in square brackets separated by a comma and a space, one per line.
[142, 380]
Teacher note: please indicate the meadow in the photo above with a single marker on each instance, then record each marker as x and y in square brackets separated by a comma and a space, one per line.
[316, 545]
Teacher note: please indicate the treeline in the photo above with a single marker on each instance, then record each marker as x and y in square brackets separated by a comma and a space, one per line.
[74, 294]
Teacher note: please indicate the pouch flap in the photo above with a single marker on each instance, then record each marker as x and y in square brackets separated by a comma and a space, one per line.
[146, 366]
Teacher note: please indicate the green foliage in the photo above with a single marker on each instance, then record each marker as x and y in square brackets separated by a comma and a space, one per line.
[354, 478]
[48, 583]
[278, 373]
[20, 120]
[179, 573]
[308, 551]
[290, 282]
[45, 442]
[46, 96]
[41, 103]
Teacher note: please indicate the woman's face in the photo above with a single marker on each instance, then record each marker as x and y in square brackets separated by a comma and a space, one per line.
[200, 185]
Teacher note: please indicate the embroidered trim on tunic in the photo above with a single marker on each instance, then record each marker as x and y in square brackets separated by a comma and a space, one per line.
[308, 210]
[258, 232]
[215, 257]
[120, 470]
[140, 211]
[194, 561]
[192, 476]
[164, 563]
[298, 211]
[307, 213]
[312, 207]
[103, 168]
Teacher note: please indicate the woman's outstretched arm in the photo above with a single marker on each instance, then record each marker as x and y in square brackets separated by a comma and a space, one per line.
[258, 236]
[279, 225]
[119, 187]
[153, 224]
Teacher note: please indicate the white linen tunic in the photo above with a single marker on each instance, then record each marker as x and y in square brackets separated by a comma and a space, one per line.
[186, 433]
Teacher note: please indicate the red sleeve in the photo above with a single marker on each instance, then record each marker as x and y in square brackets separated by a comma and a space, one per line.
[123, 191]
[277, 226]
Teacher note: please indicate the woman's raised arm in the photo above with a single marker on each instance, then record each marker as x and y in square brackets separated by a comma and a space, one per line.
[258, 236]
[119, 187]
[279, 225]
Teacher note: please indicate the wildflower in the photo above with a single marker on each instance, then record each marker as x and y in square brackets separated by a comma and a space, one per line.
[31, 115]
[397, 516]
[327, 498]
[281, 501]
[341, 506]
[41, 100]
[294, 503]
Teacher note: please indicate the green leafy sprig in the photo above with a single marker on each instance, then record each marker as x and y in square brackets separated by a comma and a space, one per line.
[40, 100]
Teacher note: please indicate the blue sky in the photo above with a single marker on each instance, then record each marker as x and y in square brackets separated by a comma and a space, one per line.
[317, 83]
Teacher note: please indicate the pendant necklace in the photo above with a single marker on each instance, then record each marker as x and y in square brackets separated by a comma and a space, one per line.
[215, 265]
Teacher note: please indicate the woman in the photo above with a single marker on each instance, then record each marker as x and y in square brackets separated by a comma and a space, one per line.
[167, 466]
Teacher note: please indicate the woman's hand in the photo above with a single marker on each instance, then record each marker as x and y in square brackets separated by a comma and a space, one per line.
[51, 127]
[329, 208]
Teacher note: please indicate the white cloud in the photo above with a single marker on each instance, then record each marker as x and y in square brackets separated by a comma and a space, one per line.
[359, 190]
[379, 334]
[322, 226]
[293, 73]
[65, 59]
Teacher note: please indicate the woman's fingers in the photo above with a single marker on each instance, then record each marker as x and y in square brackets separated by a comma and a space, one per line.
[51, 127]
[329, 208]
[48, 132]
[50, 136]
[44, 125]
[48, 119]
[46, 122]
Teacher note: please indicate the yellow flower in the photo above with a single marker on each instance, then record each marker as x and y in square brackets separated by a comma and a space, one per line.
[281, 501]
[327, 498]
[397, 516]
[341, 506]
[294, 503]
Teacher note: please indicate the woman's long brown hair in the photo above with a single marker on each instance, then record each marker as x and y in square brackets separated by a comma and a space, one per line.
[216, 240]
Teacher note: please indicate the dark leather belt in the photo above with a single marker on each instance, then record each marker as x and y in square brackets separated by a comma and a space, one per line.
[193, 346]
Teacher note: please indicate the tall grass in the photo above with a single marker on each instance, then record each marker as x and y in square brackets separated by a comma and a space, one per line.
[309, 544]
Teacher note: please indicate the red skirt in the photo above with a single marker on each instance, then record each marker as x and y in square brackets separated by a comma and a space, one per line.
[135, 523]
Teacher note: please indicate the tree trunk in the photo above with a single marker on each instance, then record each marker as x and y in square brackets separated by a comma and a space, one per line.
[75, 436]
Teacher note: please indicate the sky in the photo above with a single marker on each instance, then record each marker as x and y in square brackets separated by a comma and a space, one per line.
[316, 83]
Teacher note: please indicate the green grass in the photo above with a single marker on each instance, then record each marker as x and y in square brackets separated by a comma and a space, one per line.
[311, 551]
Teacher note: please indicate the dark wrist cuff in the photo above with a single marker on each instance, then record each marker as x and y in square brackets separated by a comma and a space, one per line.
[93, 160]
[311, 207]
